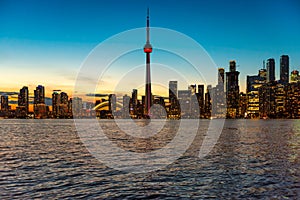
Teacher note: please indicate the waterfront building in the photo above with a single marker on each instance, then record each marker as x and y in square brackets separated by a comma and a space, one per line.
[284, 69]
[270, 70]
[232, 90]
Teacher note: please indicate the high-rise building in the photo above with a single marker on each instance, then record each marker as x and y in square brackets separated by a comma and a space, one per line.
[253, 85]
[284, 69]
[207, 103]
[173, 99]
[39, 95]
[23, 100]
[39, 102]
[173, 92]
[125, 111]
[4, 103]
[270, 70]
[200, 98]
[148, 50]
[184, 97]
[77, 107]
[112, 105]
[232, 90]
[60, 107]
[292, 106]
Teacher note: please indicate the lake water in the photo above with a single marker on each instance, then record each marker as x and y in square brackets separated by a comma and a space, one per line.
[251, 159]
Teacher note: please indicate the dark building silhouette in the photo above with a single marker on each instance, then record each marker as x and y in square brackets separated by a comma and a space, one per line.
[284, 69]
[39, 102]
[23, 101]
[174, 111]
[270, 70]
[232, 90]
[60, 104]
[200, 98]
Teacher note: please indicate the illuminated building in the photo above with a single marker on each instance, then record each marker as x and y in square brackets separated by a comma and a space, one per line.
[173, 100]
[23, 103]
[60, 107]
[207, 103]
[253, 85]
[272, 100]
[292, 101]
[39, 102]
[232, 90]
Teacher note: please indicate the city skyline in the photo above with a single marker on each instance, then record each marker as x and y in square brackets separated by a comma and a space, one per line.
[38, 65]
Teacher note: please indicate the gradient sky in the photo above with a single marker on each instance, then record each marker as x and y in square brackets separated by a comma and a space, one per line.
[45, 42]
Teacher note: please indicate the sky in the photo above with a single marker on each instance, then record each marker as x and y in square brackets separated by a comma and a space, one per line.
[47, 42]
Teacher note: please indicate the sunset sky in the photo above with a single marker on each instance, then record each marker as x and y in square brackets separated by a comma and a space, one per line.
[46, 42]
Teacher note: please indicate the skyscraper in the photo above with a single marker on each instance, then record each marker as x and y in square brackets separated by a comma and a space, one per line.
[39, 95]
[270, 70]
[39, 102]
[23, 101]
[148, 50]
[284, 69]
[232, 90]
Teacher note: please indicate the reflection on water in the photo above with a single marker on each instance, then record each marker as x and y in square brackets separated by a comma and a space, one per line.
[252, 159]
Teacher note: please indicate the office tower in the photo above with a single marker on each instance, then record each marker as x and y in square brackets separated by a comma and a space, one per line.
[232, 90]
[184, 97]
[292, 106]
[112, 104]
[4, 103]
[207, 104]
[60, 107]
[39, 102]
[148, 50]
[200, 98]
[134, 98]
[39, 95]
[295, 76]
[218, 97]
[270, 70]
[55, 102]
[174, 109]
[77, 107]
[284, 69]
[126, 101]
[173, 92]
[253, 85]
[23, 100]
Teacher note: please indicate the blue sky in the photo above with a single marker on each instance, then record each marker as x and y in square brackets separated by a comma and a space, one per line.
[45, 42]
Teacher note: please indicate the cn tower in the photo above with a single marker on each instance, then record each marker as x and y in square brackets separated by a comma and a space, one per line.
[148, 50]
